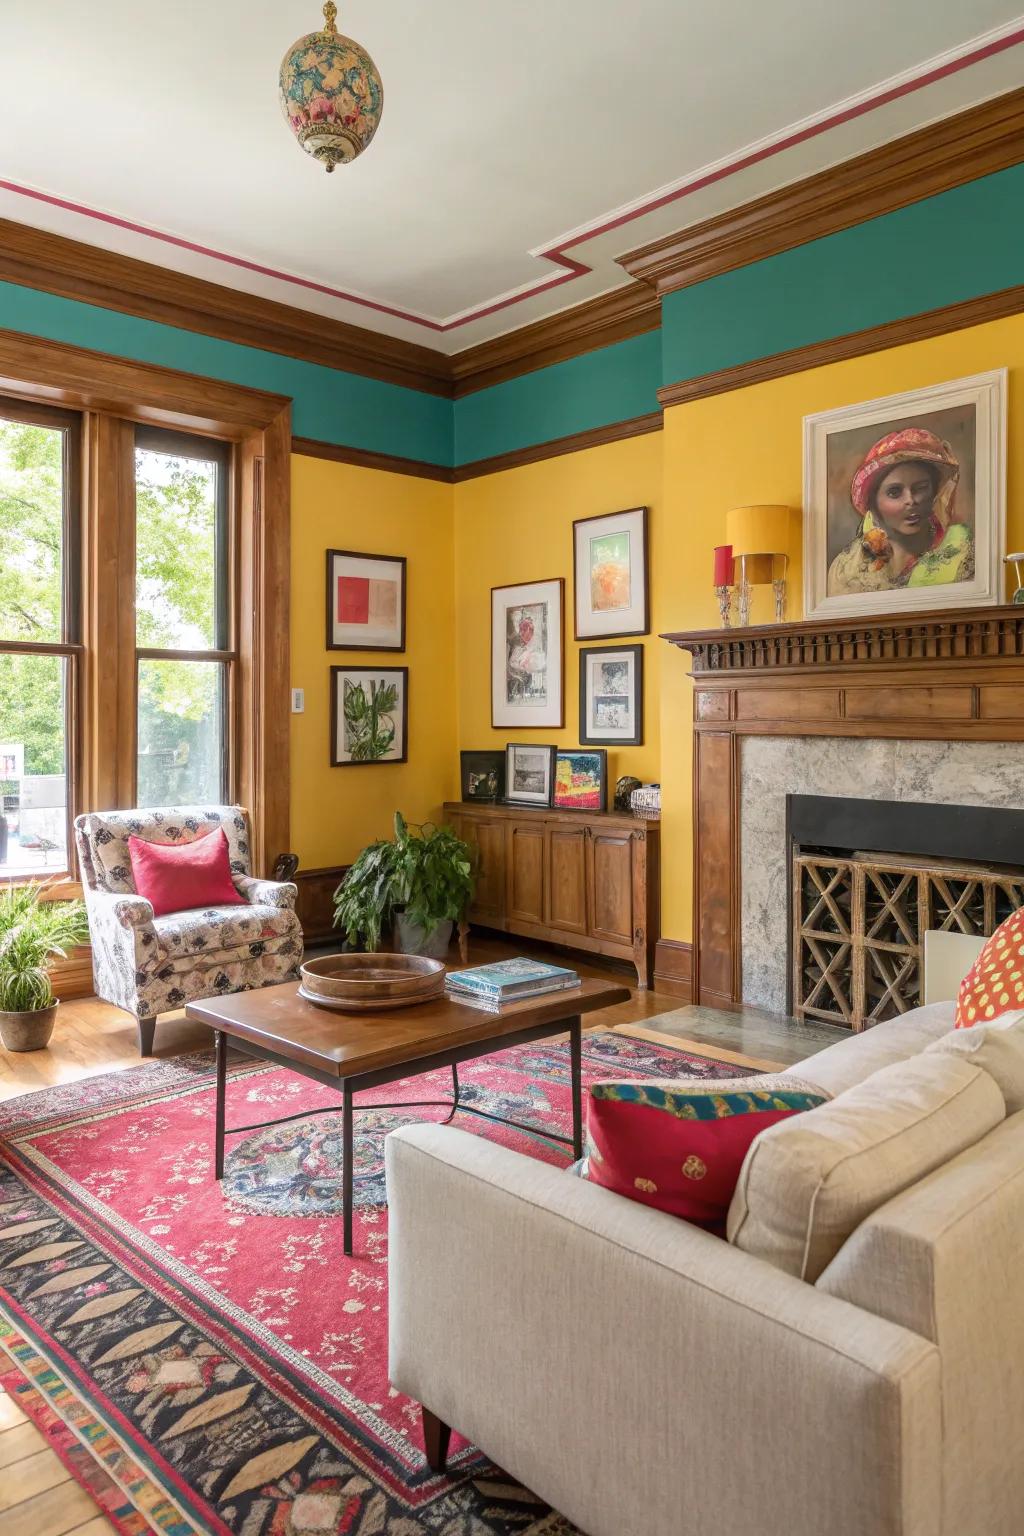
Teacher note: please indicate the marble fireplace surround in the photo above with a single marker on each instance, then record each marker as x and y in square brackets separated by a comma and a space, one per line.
[926, 706]
[977, 773]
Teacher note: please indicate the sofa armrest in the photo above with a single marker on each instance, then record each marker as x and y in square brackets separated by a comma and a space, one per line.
[617, 1360]
[267, 893]
[124, 910]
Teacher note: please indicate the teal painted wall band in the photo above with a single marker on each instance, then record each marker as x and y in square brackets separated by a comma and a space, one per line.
[342, 408]
[958, 245]
[597, 389]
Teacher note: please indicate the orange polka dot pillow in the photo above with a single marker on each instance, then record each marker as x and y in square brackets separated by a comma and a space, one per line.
[994, 985]
[679, 1146]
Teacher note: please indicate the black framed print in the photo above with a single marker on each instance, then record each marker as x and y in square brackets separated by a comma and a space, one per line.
[369, 715]
[365, 601]
[610, 574]
[482, 775]
[612, 695]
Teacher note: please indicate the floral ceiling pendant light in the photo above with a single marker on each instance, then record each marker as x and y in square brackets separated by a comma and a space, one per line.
[331, 94]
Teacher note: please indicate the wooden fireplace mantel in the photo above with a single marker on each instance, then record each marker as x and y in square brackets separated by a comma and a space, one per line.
[955, 674]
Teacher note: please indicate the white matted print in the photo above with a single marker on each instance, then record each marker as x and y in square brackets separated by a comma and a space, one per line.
[365, 601]
[527, 654]
[610, 574]
[612, 695]
[369, 715]
[529, 773]
[905, 500]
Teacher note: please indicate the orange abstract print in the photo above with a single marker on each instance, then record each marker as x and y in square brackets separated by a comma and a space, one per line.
[994, 985]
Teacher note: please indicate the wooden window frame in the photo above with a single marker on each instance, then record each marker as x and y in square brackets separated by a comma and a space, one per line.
[112, 395]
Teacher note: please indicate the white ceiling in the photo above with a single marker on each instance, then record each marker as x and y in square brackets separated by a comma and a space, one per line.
[506, 128]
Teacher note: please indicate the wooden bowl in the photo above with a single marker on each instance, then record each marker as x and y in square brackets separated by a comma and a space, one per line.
[353, 983]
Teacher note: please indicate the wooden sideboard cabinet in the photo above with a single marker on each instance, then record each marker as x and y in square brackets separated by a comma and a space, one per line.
[585, 879]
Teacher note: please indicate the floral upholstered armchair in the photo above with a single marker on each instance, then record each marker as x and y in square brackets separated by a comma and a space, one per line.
[149, 965]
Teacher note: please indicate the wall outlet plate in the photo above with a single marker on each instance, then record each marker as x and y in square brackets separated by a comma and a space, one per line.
[298, 700]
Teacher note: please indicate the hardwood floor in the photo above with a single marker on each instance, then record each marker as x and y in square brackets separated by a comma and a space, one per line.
[38, 1496]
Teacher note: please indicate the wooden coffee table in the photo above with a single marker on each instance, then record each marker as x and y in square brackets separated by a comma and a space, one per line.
[349, 1051]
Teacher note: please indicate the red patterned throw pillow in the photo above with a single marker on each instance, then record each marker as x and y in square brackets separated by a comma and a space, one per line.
[994, 985]
[178, 876]
[679, 1146]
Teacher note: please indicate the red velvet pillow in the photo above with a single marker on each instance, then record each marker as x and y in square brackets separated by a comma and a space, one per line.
[176, 876]
[679, 1146]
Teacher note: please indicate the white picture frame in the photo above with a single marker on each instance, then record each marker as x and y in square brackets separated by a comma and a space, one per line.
[528, 655]
[968, 418]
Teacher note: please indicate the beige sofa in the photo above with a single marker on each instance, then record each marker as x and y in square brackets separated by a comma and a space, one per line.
[644, 1376]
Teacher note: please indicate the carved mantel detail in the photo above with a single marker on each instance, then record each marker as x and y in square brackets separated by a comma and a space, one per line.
[956, 674]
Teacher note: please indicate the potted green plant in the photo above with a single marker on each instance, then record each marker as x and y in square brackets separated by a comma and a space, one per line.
[33, 932]
[422, 879]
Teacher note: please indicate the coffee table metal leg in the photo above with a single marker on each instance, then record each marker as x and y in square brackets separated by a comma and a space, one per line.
[455, 1095]
[222, 1076]
[576, 1069]
[346, 1153]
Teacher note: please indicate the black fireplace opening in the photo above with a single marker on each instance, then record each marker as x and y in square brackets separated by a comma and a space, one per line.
[867, 879]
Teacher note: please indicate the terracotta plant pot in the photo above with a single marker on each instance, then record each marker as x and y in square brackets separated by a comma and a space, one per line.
[27, 1031]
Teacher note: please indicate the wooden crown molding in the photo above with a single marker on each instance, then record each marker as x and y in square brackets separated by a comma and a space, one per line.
[616, 316]
[835, 349]
[53, 263]
[594, 437]
[986, 138]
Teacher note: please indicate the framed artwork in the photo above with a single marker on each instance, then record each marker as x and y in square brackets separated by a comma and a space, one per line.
[483, 775]
[369, 715]
[529, 773]
[609, 561]
[365, 601]
[612, 695]
[905, 500]
[580, 780]
[527, 656]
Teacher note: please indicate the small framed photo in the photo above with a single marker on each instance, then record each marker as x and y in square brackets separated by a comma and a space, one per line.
[905, 500]
[527, 656]
[612, 695]
[529, 773]
[483, 775]
[610, 574]
[369, 715]
[365, 601]
[581, 780]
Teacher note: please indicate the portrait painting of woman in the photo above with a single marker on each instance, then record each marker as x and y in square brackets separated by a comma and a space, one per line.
[903, 503]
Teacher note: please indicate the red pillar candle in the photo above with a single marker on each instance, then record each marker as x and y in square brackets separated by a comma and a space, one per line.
[723, 565]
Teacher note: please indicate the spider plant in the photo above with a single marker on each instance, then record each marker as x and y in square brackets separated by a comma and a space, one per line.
[32, 932]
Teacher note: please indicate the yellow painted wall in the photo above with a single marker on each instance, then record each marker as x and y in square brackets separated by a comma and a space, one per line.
[337, 811]
[747, 447]
[517, 526]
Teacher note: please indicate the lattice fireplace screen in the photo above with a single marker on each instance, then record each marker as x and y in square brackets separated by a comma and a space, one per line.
[859, 924]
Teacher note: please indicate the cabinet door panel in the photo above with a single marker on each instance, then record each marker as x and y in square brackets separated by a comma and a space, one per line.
[567, 879]
[524, 881]
[610, 886]
[487, 838]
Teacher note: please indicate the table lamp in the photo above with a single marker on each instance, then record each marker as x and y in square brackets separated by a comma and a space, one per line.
[760, 545]
[1015, 561]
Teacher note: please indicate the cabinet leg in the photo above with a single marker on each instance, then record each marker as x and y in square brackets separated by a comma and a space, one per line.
[436, 1436]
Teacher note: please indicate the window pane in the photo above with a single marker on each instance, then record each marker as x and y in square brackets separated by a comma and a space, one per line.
[33, 782]
[31, 530]
[178, 552]
[181, 732]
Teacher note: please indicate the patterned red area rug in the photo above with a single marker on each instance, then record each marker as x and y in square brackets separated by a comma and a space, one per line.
[209, 1347]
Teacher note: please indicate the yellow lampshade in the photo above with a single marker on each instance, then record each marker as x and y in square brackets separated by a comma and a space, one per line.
[758, 530]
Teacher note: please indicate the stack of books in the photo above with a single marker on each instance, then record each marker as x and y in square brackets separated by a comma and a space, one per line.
[508, 981]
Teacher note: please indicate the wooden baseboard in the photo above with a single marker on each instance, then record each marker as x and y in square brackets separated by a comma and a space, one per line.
[315, 902]
[673, 969]
[72, 978]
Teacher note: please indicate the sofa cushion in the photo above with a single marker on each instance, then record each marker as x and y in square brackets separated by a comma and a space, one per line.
[808, 1182]
[994, 985]
[679, 1146]
[997, 1048]
[195, 936]
[850, 1061]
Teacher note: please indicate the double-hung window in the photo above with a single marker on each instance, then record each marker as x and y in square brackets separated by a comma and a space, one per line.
[40, 635]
